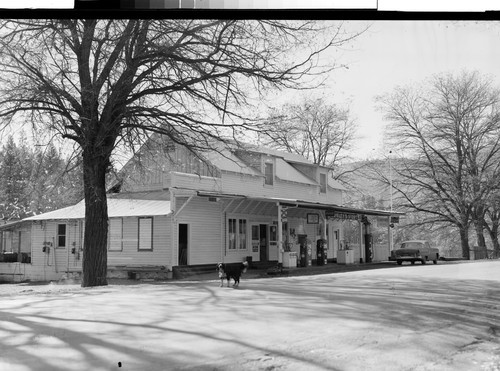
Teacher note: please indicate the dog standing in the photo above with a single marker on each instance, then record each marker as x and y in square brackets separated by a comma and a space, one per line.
[234, 271]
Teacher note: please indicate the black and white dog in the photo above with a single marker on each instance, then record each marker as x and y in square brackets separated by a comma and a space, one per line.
[232, 270]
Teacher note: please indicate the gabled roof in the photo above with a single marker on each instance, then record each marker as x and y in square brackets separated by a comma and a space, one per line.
[116, 208]
[223, 157]
[226, 161]
[287, 156]
[335, 184]
[285, 171]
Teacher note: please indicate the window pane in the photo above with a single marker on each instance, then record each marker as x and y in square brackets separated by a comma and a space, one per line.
[255, 232]
[145, 233]
[61, 235]
[231, 233]
[243, 233]
[273, 235]
[269, 173]
[322, 182]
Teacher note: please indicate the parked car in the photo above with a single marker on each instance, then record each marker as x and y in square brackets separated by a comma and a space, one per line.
[417, 250]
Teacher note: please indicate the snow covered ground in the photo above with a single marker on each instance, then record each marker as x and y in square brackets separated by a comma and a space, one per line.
[432, 317]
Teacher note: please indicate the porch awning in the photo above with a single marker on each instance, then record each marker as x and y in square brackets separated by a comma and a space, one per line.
[116, 208]
[305, 204]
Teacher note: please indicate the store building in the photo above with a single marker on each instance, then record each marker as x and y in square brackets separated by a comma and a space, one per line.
[172, 207]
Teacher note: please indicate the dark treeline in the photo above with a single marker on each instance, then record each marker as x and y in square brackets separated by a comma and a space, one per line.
[36, 179]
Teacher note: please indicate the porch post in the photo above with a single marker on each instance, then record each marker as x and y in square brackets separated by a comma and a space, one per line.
[173, 208]
[361, 252]
[389, 234]
[280, 235]
[325, 225]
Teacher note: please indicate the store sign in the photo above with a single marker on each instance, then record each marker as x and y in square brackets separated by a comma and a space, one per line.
[283, 215]
[341, 215]
[255, 245]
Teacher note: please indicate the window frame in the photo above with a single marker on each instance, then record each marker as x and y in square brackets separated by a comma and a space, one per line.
[269, 178]
[323, 183]
[59, 235]
[139, 245]
[232, 234]
[233, 226]
[243, 237]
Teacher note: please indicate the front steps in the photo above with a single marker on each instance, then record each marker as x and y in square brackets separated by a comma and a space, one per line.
[185, 271]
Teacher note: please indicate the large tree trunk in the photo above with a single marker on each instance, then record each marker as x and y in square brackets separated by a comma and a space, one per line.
[496, 245]
[493, 233]
[95, 256]
[464, 239]
[481, 241]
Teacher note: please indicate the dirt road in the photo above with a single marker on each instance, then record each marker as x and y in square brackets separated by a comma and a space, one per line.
[443, 317]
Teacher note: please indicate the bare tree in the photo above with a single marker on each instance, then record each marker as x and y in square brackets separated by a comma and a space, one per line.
[449, 135]
[102, 83]
[492, 222]
[316, 129]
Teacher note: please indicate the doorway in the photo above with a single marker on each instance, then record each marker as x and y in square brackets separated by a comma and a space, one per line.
[264, 255]
[183, 244]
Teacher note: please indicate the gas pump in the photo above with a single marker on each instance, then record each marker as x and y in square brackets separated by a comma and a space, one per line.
[321, 252]
[369, 247]
[368, 237]
[303, 249]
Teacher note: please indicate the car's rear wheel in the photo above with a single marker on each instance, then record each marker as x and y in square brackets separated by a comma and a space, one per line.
[399, 262]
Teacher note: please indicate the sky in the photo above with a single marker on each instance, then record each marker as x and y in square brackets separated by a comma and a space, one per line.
[402, 53]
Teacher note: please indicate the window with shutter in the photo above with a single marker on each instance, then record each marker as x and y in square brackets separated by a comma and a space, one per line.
[115, 234]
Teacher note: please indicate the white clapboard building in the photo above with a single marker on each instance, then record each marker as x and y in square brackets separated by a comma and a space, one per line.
[175, 208]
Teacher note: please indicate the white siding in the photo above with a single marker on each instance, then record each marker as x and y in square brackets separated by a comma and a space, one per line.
[58, 259]
[17, 272]
[195, 182]
[232, 183]
[381, 252]
[25, 243]
[131, 255]
[204, 227]
[38, 257]
[145, 234]
[55, 262]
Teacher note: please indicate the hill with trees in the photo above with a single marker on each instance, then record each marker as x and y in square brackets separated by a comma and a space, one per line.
[35, 179]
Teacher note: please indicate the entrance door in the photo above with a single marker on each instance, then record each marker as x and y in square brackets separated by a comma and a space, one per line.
[183, 244]
[264, 255]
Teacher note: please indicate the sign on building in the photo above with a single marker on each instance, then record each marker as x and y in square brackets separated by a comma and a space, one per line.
[342, 215]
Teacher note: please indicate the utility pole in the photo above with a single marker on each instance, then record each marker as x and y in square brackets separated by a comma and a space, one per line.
[390, 177]
[390, 236]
